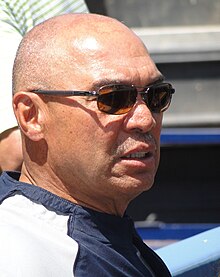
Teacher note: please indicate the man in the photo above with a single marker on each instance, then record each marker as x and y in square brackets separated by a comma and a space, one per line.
[20, 16]
[10, 139]
[89, 101]
[15, 20]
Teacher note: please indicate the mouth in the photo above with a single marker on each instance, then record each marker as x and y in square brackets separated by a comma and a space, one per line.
[138, 156]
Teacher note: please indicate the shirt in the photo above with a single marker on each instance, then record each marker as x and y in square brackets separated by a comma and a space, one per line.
[20, 16]
[16, 18]
[42, 234]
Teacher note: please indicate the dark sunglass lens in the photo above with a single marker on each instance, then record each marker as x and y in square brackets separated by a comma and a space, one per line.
[116, 99]
[158, 98]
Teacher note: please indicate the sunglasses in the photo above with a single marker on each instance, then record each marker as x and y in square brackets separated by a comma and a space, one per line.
[119, 99]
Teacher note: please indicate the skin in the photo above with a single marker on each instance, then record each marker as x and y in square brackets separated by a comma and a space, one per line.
[71, 148]
[10, 150]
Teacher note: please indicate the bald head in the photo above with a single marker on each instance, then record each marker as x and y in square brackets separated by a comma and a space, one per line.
[61, 48]
[83, 52]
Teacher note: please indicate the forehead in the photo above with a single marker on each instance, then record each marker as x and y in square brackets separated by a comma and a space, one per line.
[136, 72]
[114, 60]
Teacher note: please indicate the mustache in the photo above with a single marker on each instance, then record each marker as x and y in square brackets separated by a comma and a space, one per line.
[133, 141]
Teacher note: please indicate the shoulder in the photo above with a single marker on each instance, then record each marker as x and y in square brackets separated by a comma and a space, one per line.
[21, 17]
[31, 245]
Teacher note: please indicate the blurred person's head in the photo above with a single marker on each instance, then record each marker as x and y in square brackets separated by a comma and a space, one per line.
[10, 139]
[10, 150]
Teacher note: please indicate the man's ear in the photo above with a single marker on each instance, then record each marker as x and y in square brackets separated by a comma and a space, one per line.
[28, 111]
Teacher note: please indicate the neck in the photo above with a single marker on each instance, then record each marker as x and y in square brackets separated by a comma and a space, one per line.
[73, 193]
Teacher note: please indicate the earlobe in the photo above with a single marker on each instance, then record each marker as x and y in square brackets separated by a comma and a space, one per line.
[27, 111]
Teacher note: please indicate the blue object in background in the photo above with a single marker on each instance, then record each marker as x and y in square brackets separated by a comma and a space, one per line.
[171, 231]
[197, 256]
[190, 136]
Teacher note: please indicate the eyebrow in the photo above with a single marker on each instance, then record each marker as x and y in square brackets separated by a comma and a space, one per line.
[160, 79]
[106, 81]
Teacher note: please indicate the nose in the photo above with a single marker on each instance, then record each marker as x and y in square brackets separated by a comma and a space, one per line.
[139, 118]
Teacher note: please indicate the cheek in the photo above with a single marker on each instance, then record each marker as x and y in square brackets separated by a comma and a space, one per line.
[111, 132]
[157, 130]
[87, 131]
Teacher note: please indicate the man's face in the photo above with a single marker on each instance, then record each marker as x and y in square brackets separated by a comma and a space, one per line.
[102, 156]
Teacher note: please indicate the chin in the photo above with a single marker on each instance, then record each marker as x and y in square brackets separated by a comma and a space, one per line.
[135, 187]
[145, 182]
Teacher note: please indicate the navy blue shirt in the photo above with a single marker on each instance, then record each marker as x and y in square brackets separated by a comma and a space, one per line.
[108, 245]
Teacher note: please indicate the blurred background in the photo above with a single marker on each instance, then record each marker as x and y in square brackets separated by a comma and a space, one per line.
[183, 37]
